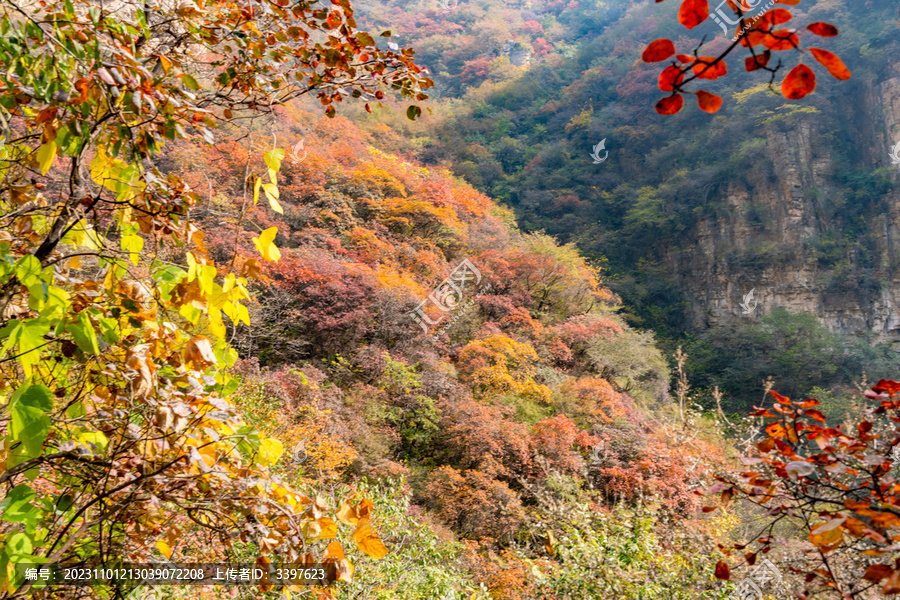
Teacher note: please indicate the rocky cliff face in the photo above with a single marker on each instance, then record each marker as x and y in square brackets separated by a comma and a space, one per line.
[786, 237]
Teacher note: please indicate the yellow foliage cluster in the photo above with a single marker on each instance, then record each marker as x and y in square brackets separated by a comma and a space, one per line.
[501, 365]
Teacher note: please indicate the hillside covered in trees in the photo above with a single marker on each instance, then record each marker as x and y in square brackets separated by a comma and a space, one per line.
[251, 318]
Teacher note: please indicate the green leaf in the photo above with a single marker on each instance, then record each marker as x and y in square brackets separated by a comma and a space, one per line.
[45, 155]
[249, 441]
[17, 507]
[27, 335]
[189, 81]
[28, 270]
[365, 39]
[84, 334]
[386, 33]
[412, 112]
[28, 421]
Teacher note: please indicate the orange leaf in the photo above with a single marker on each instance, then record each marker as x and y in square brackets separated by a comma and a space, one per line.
[830, 61]
[670, 104]
[334, 550]
[788, 2]
[759, 61]
[783, 39]
[346, 513]
[776, 16]
[815, 414]
[827, 536]
[798, 83]
[722, 571]
[708, 102]
[329, 529]
[368, 541]
[823, 29]
[708, 70]
[685, 58]
[779, 398]
[693, 12]
[658, 50]
[754, 37]
[670, 77]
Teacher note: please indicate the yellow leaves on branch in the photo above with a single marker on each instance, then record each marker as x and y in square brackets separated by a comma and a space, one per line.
[368, 541]
[265, 244]
[364, 537]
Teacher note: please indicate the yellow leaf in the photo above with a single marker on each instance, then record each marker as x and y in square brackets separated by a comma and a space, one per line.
[328, 529]
[346, 513]
[257, 183]
[270, 450]
[264, 243]
[45, 155]
[271, 191]
[164, 548]
[368, 541]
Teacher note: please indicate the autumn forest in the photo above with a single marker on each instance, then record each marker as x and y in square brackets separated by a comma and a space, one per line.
[451, 300]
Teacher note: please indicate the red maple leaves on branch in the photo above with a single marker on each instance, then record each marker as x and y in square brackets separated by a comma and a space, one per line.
[752, 32]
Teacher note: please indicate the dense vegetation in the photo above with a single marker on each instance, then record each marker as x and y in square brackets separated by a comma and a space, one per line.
[283, 341]
[524, 136]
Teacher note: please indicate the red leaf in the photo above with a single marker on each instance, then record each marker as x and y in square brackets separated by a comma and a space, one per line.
[658, 50]
[759, 61]
[773, 17]
[708, 102]
[754, 37]
[781, 399]
[693, 12]
[798, 83]
[876, 573]
[783, 39]
[685, 58]
[722, 571]
[830, 61]
[707, 70]
[788, 2]
[670, 77]
[883, 386]
[818, 416]
[823, 29]
[670, 104]
[767, 445]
